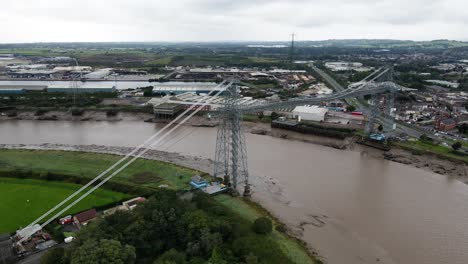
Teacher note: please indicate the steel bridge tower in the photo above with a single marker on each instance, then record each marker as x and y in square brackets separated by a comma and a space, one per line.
[381, 107]
[231, 153]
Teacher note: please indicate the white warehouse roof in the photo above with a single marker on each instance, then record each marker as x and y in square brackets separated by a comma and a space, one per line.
[306, 109]
[311, 113]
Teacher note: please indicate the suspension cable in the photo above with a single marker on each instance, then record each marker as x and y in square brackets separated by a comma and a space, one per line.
[135, 150]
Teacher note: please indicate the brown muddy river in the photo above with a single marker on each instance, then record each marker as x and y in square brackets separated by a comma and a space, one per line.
[350, 207]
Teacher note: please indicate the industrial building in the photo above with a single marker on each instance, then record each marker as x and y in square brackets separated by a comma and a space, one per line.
[310, 113]
[44, 71]
[85, 89]
[23, 88]
[40, 74]
[12, 91]
[346, 66]
[167, 110]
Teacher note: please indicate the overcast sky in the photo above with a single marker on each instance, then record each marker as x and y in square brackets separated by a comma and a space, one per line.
[221, 20]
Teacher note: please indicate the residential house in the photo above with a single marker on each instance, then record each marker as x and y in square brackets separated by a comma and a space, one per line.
[84, 217]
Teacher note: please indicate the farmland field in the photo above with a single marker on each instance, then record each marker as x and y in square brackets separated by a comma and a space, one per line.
[23, 200]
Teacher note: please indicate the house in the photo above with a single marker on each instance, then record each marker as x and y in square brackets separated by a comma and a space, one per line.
[125, 206]
[84, 217]
[131, 204]
[445, 124]
[198, 182]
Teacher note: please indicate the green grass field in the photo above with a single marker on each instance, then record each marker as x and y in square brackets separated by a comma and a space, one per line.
[92, 164]
[23, 200]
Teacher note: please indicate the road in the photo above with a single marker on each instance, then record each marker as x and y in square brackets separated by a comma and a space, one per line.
[401, 127]
[336, 86]
[36, 258]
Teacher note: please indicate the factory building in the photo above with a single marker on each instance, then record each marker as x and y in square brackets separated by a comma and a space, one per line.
[167, 110]
[44, 74]
[62, 89]
[12, 91]
[310, 113]
[21, 89]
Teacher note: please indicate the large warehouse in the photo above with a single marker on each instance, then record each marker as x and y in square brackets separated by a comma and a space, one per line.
[82, 89]
[310, 113]
[21, 89]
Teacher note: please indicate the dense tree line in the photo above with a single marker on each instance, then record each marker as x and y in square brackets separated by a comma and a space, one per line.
[170, 229]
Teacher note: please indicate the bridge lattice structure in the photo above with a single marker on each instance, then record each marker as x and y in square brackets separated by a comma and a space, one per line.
[231, 151]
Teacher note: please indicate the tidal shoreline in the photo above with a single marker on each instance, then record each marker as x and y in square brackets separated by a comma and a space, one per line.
[458, 170]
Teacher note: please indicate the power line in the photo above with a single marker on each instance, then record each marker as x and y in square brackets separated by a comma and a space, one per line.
[125, 165]
[133, 152]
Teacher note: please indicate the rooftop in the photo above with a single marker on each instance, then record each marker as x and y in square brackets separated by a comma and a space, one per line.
[314, 109]
[86, 215]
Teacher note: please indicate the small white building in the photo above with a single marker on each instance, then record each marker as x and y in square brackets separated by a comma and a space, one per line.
[310, 113]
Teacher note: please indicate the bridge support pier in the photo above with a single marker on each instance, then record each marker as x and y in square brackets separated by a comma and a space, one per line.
[231, 152]
[372, 114]
[389, 125]
[378, 109]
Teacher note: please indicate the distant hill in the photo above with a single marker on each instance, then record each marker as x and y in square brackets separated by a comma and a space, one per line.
[384, 43]
[339, 43]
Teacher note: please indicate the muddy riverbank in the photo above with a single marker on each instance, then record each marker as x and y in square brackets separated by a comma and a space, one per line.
[458, 170]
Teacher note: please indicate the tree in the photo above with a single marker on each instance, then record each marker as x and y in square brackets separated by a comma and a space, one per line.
[380, 128]
[425, 138]
[251, 259]
[104, 251]
[350, 108]
[456, 146]
[274, 116]
[172, 257]
[54, 256]
[463, 128]
[148, 91]
[216, 257]
[263, 247]
[262, 225]
[260, 115]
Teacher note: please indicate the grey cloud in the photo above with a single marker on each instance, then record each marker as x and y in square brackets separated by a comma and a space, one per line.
[198, 20]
